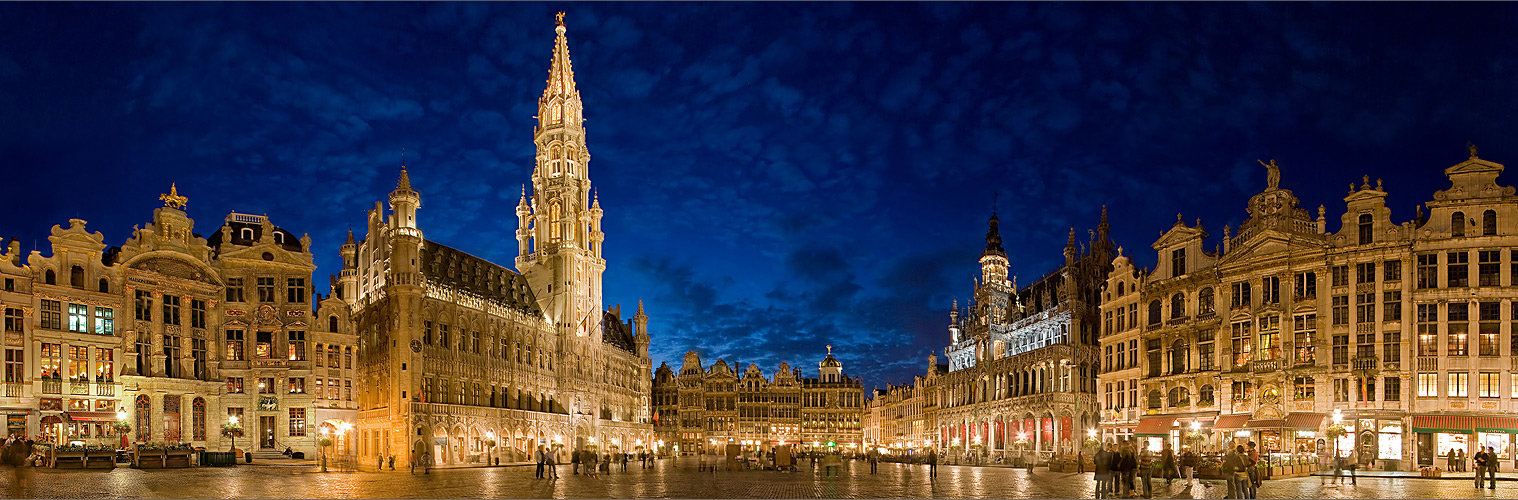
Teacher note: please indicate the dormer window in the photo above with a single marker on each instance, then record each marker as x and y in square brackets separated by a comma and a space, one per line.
[1457, 224]
[1365, 229]
[246, 233]
[279, 238]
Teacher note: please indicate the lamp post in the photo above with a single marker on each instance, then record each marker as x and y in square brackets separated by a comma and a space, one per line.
[121, 425]
[322, 443]
[1335, 431]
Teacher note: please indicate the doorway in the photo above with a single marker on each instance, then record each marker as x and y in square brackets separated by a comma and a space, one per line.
[1425, 449]
[266, 431]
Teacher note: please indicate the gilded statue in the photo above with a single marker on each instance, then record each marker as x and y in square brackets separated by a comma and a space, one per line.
[173, 199]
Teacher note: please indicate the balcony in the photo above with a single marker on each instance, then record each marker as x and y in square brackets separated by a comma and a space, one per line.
[1428, 363]
[1365, 364]
[52, 386]
[79, 387]
[13, 389]
[105, 389]
[1265, 365]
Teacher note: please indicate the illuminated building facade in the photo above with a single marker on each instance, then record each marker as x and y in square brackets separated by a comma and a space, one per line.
[457, 352]
[899, 417]
[1400, 333]
[1022, 362]
[715, 407]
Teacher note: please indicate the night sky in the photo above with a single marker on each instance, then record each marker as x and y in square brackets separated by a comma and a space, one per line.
[776, 177]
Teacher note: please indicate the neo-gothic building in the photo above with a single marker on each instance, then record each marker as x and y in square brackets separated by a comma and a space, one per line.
[1022, 362]
[456, 351]
[708, 409]
[1403, 330]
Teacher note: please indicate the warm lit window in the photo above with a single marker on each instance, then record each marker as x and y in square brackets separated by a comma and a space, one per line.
[235, 345]
[297, 345]
[1489, 385]
[1305, 332]
[297, 422]
[297, 385]
[105, 321]
[1243, 343]
[234, 385]
[1458, 384]
[1458, 327]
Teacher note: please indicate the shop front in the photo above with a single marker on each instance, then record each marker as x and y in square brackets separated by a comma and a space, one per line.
[1438, 435]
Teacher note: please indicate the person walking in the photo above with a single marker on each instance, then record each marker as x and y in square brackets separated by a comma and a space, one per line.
[539, 457]
[1103, 472]
[574, 462]
[1168, 465]
[625, 457]
[411, 461]
[552, 461]
[1480, 459]
[932, 463]
[1253, 469]
[1146, 470]
[1233, 470]
[1130, 470]
[874, 457]
[1080, 461]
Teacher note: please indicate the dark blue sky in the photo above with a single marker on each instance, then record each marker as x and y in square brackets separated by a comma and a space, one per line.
[776, 177]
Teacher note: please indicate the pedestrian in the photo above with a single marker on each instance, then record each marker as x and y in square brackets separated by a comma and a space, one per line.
[412, 462]
[1254, 470]
[1146, 470]
[624, 456]
[1188, 463]
[932, 463]
[552, 462]
[1080, 461]
[1353, 462]
[1103, 472]
[1460, 459]
[1168, 465]
[1129, 468]
[574, 462]
[1449, 460]
[539, 457]
[392, 462]
[874, 458]
[1480, 459]
[1233, 470]
[1493, 462]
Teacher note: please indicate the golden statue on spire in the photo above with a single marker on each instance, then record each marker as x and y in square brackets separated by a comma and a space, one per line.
[559, 18]
[173, 199]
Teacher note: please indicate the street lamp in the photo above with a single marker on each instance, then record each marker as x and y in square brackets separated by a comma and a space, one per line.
[489, 442]
[322, 443]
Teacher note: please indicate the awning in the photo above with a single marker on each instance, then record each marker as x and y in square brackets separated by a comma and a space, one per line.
[1443, 423]
[1305, 421]
[91, 416]
[1497, 424]
[1230, 422]
[1265, 424]
[1154, 426]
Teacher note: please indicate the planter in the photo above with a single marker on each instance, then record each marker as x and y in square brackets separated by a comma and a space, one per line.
[148, 459]
[67, 459]
[100, 460]
[177, 459]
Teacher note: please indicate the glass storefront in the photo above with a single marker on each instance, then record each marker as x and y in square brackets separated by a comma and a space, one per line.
[1497, 441]
[1447, 442]
[1390, 442]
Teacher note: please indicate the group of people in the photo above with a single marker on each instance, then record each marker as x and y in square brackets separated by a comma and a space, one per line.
[1118, 469]
[1238, 468]
[18, 451]
[591, 463]
[1487, 464]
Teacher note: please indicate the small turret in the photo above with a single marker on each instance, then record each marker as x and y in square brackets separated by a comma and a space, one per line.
[640, 330]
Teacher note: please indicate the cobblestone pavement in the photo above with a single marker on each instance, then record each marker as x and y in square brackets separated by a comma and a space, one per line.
[666, 481]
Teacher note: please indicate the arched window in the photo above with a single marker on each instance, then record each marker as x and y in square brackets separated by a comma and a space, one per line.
[1204, 301]
[332, 323]
[1457, 224]
[1365, 229]
[246, 233]
[1205, 396]
[1180, 397]
[49, 278]
[76, 277]
[553, 222]
[198, 419]
[1489, 223]
[1154, 312]
[1178, 356]
[1154, 399]
[1177, 305]
[144, 418]
[1120, 289]
[105, 285]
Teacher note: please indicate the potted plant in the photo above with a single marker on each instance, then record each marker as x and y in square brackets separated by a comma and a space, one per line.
[490, 452]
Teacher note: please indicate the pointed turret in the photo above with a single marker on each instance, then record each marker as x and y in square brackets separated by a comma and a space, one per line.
[404, 202]
[640, 330]
[993, 261]
[993, 239]
[1070, 247]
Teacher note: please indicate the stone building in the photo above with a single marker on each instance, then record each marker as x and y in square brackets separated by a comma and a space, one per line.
[899, 415]
[1022, 362]
[1411, 319]
[456, 352]
[714, 408]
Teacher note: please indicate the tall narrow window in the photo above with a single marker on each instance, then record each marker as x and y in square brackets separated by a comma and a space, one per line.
[1428, 384]
[1243, 343]
[297, 345]
[1391, 347]
[198, 419]
[1270, 337]
[263, 347]
[105, 321]
[197, 313]
[15, 366]
[144, 305]
[1204, 304]
[1459, 385]
[1428, 329]
[171, 420]
[1489, 328]
[1306, 286]
[1459, 328]
[1489, 223]
[1392, 270]
[198, 351]
[332, 323]
[295, 290]
[171, 352]
[1365, 307]
[235, 345]
[105, 285]
[76, 277]
[1428, 270]
[105, 366]
[144, 351]
[144, 419]
[79, 318]
[1241, 294]
[1457, 224]
[1365, 229]
[1340, 309]
[1459, 269]
[1489, 268]
[1393, 389]
[1177, 305]
[1339, 275]
[234, 290]
[297, 422]
[1341, 349]
[52, 315]
[554, 222]
[1365, 272]
[1270, 290]
[49, 277]
[171, 309]
[1177, 262]
[14, 320]
[1391, 305]
[1304, 334]
[266, 289]
[79, 369]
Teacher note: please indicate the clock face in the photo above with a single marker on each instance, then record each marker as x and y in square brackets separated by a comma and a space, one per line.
[416, 345]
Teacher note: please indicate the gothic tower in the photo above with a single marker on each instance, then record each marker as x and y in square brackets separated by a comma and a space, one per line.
[559, 227]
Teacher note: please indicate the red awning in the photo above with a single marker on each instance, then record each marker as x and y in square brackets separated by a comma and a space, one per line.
[1265, 424]
[91, 416]
[1443, 424]
[1154, 426]
[1305, 421]
[1496, 424]
[1227, 422]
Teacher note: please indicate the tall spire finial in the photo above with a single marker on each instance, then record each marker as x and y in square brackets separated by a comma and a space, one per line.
[993, 237]
[559, 18]
[830, 349]
[173, 199]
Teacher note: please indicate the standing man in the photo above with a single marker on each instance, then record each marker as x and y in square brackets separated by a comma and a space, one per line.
[1480, 459]
[1167, 464]
[552, 462]
[539, 457]
[874, 457]
[1493, 462]
[1233, 470]
[1188, 463]
[1460, 459]
[1254, 472]
[1146, 470]
[574, 461]
[1080, 461]
[933, 463]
